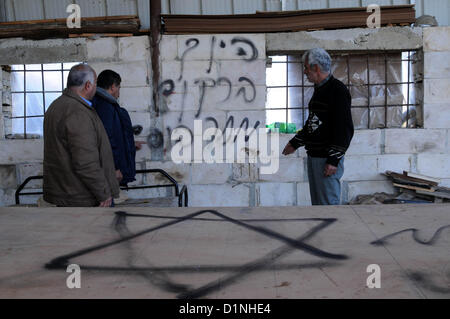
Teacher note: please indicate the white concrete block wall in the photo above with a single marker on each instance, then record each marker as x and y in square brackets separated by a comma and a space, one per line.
[276, 194]
[404, 141]
[303, 194]
[129, 56]
[219, 195]
[372, 152]
[368, 188]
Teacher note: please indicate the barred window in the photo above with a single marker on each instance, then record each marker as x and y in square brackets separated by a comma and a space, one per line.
[386, 88]
[33, 88]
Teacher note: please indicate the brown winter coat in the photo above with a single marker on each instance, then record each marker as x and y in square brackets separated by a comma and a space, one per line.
[78, 162]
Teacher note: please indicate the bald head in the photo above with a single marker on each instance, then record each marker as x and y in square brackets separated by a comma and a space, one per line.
[82, 80]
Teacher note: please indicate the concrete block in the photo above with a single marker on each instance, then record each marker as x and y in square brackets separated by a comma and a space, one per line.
[168, 47]
[284, 140]
[137, 99]
[172, 119]
[437, 65]
[395, 163]
[133, 74]
[385, 38]
[236, 98]
[405, 141]
[445, 182]
[434, 165]
[234, 70]
[253, 118]
[369, 188]
[365, 142]
[7, 197]
[225, 46]
[149, 193]
[103, 49]
[191, 72]
[27, 170]
[219, 196]
[6, 99]
[2, 125]
[180, 172]
[134, 49]
[245, 172]
[448, 141]
[20, 51]
[436, 39]
[436, 115]
[8, 176]
[276, 194]
[303, 194]
[436, 91]
[183, 101]
[203, 174]
[143, 119]
[20, 151]
[290, 170]
[361, 168]
[145, 153]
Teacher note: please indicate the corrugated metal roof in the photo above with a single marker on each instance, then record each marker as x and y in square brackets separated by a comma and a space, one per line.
[15, 10]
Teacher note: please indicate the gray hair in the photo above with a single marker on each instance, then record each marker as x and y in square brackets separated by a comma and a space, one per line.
[79, 75]
[320, 57]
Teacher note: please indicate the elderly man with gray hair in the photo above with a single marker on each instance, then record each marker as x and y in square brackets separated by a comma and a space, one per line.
[78, 162]
[327, 132]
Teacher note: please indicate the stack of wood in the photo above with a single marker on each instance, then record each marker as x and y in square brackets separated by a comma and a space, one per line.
[423, 186]
[263, 22]
[57, 28]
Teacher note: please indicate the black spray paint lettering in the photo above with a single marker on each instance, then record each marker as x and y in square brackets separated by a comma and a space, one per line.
[167, 88]
[414, 231]
[192, 43]
[211, 58]
[195, 43]
[242, 52]
[183, 101]
[243, 90]
[228, 82]
[203, 84]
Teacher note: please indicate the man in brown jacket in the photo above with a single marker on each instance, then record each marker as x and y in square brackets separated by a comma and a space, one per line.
[78, 162]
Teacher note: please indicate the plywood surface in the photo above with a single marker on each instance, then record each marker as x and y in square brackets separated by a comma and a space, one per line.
[289, 252]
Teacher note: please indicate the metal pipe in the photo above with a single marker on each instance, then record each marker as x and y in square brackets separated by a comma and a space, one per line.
[155, 33]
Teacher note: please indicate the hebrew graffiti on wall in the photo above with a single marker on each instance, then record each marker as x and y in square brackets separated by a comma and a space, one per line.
[218, 89]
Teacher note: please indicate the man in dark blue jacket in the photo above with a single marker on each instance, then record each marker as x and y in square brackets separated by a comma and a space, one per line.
[118, 125]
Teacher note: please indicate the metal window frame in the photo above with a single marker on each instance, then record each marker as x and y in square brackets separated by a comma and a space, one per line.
[60, 69]
[410, 82]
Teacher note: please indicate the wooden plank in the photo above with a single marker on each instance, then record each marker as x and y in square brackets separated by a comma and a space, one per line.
[103, 35]
[435, 194]
[58, 27]
[423, 177]
[283, 21]
[428, 191]
[407, 179]
[258, 252]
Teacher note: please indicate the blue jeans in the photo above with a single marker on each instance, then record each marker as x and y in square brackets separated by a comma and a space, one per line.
[324, 190]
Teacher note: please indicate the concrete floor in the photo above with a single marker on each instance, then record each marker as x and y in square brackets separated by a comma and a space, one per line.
[289, 252]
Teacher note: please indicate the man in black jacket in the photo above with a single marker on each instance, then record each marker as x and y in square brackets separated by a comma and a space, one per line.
[327, 132]
[117, 123]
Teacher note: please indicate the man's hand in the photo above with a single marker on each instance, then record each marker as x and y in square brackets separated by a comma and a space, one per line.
[139, 144]
[289, 149]
[119, 175]
[329, 170]
[106, 203]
